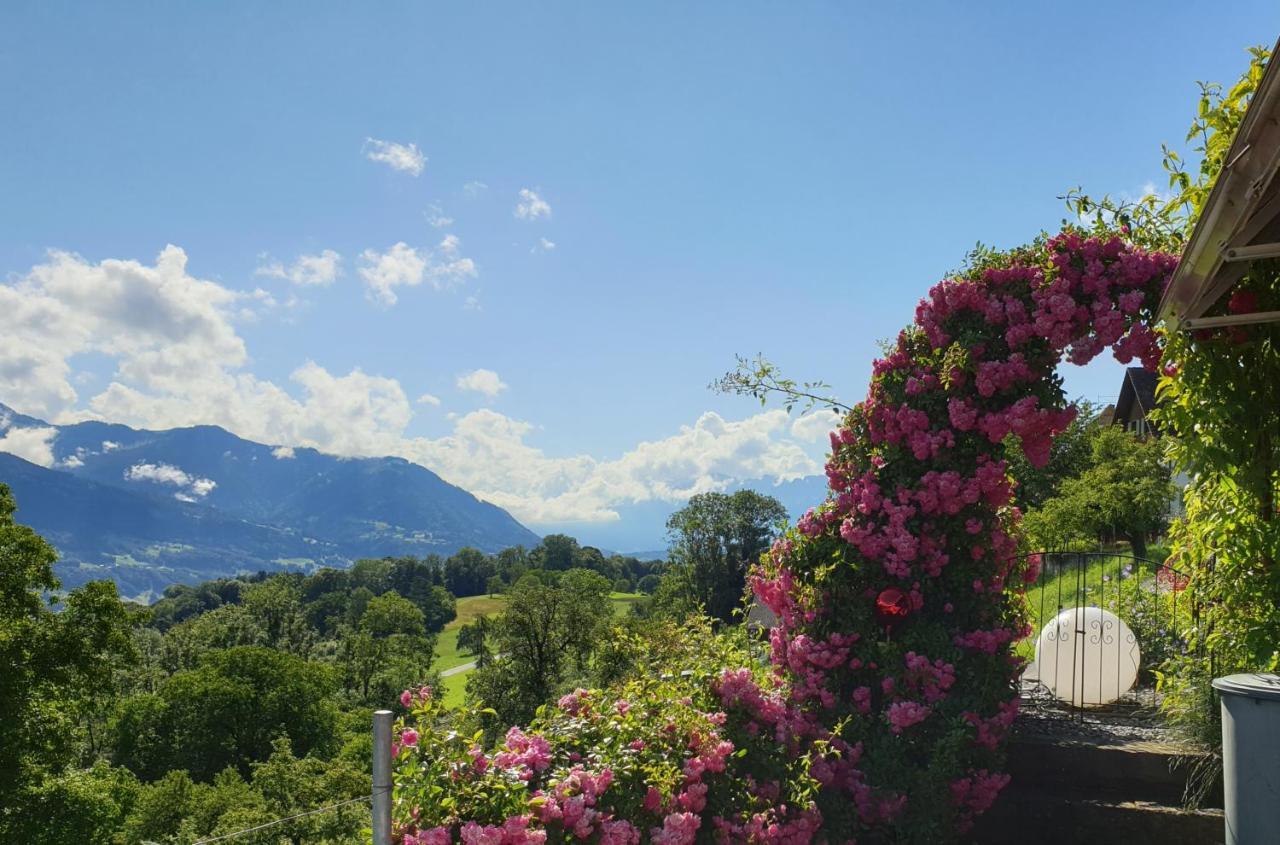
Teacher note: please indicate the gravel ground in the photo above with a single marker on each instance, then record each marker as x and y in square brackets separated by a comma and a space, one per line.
[1134, 719]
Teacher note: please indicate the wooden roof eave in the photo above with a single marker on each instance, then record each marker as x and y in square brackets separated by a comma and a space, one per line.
[1241, 219]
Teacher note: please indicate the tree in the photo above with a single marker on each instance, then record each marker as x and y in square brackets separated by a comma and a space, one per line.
[1069, 456]
[468, 571]
[715, 538]
[1125, 492]
[56, 669]
[388, 651]
[227, 626]
[226, 713]
[473, 637]
[390, 614]
[541, 632]
[421, 583]
[556, 552]
[276, 605]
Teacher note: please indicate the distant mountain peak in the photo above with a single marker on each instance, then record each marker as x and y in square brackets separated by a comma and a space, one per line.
[199, 501]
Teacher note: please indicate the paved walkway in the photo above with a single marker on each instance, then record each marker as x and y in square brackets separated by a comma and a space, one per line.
[458, 670]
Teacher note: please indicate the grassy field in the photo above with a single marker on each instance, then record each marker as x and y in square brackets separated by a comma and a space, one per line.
[473, 607]
[1097, 583]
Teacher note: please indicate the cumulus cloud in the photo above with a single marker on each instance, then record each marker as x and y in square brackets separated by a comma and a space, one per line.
[428, 399]
[530, 206]
[474, 189]
[180, 362]
[487, 454]
[282, 453]
[543, 245]
[482, 381]
[162, 326]
[191, 488]
[31, 444]
[322, 269]
[406, 266]
[403, 157]
[814, 427]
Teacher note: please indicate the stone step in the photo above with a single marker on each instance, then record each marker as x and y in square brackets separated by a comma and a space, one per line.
[1148, 771]
[1061, 817]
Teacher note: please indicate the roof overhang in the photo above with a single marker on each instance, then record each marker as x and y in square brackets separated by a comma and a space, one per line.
[1239, 223]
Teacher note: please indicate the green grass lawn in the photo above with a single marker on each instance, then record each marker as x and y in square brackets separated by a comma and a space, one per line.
[469, 609]
[473, 607]
[1096, 583]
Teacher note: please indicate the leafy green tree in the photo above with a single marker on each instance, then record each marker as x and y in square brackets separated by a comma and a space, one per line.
[648, 584]
[543, 631]
[290, 786]
[715, 539]
[512, 563]
[75, 805]
[556, 552]
[276, 604]
[226, 713]
[1069, 456]
[1125, 492]
[56, 669]
[468, 571]
[390, 614]
[372, 574]
[223, 627]
[388, 651]
[473, 637]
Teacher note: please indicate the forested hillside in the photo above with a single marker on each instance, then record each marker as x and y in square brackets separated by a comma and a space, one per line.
[236, 701]
[151, 508]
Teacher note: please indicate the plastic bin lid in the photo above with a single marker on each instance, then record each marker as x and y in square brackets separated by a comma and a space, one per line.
[1251, 684]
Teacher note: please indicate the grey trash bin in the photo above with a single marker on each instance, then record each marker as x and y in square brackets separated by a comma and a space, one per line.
[1251, 757]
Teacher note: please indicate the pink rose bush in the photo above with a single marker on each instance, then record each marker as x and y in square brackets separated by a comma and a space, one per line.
[660, 768]
[891, 682]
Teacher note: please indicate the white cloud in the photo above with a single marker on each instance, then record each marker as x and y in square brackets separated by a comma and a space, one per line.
[814, 427]
[474, 189]
[436, 217]
[482, 381]
[110, 445]
[404, 157]
[487, 454]
[72, 462]
[530, 206]
[180, 362]
[405, 266]
[191, 487]
[543, 245]
[282, 453]
[30, 444]
[428, 399]
[162, 326]
[322, 269]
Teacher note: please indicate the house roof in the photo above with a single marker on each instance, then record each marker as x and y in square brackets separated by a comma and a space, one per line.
[1138, 388]
[1240, 222]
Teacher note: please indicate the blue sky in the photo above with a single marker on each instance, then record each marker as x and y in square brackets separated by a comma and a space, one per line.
[700, 180]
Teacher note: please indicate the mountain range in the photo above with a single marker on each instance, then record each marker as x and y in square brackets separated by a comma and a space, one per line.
[150, 508]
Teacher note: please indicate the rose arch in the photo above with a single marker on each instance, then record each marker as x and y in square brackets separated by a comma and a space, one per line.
[899, 600]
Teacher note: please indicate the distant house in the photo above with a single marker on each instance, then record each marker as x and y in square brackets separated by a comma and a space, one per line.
[1136, 401]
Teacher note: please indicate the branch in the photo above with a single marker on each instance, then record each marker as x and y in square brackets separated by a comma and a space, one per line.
[760, 379]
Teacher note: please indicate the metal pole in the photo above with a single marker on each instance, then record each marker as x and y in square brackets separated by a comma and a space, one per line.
[382, 777]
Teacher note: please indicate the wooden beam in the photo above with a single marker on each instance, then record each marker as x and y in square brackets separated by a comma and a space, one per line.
[1231, 320]
[1251, 253]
